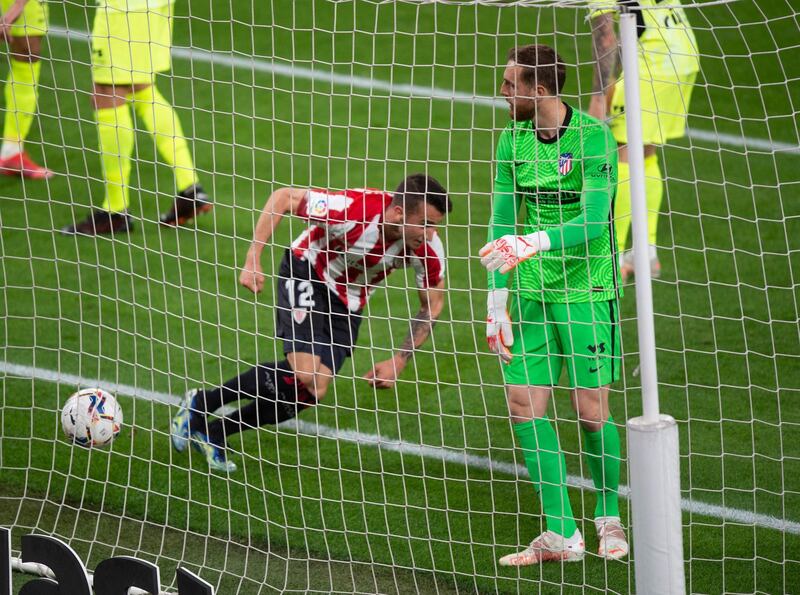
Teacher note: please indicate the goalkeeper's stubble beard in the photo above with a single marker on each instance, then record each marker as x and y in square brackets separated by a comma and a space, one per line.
[522, 109]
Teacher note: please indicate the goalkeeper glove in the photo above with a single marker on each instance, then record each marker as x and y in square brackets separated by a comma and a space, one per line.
[508, 251]
[498, 324]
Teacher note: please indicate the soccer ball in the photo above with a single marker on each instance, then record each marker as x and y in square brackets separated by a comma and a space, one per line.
[91, 417]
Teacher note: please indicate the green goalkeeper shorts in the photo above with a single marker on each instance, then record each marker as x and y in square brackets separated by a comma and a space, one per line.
[585, 337]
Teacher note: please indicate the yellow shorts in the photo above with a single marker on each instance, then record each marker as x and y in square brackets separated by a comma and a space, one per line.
[665, 104]
[129, 48]
[33, 20]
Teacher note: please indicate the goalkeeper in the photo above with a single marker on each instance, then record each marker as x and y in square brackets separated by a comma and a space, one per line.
[131, 41]
[561, 165]
[668, 67]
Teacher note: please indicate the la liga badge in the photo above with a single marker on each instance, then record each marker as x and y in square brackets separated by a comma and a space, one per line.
[564, 163]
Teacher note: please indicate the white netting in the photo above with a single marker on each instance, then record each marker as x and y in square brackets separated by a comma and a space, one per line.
[420, 488]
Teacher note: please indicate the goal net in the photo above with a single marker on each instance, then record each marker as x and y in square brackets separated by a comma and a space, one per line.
[420, 487]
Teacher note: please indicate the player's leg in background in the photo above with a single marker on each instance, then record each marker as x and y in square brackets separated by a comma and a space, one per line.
[116, 136]
[160, 119]
[21, 91]
[654, 189]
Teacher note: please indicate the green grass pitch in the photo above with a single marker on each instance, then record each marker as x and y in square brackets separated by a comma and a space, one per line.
[161, 310]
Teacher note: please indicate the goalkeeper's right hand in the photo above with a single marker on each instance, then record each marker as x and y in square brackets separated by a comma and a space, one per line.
[498, 324]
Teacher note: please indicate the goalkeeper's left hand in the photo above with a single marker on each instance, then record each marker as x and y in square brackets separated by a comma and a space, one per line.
[508, 251]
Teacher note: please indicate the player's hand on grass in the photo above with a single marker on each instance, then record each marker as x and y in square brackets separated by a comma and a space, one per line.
[508, 251]
[498, 324]
[252, 275]
[385, 373]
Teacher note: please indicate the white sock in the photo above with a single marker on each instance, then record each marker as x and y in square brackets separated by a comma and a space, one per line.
[9, 149]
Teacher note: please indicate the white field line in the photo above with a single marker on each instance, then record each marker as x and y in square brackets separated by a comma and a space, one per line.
[437, 453]
[384, 88]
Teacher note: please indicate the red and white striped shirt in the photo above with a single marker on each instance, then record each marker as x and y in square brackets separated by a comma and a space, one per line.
[345, 245]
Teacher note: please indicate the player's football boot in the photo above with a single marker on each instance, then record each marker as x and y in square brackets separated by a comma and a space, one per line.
[613, 544]
[548, 547]
[626, 266]
[179, 429]
[23, 166]
[190, 203]
[100, 223]
[215, 455]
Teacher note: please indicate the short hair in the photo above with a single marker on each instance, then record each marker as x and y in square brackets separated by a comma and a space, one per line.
[541, 65]
[420, 188]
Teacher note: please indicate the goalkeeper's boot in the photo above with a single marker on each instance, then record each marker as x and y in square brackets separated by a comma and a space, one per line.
[179, 429]
[21, 165]
[215, 455]
[189, 203]
[100, 223]
[613, 544]
[548, 547]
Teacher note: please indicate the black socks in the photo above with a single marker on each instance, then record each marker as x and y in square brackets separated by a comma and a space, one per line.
[276, 393]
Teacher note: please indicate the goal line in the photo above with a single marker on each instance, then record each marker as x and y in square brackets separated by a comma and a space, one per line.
[446, 455]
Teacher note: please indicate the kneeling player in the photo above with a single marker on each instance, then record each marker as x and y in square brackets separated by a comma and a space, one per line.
[354, 240]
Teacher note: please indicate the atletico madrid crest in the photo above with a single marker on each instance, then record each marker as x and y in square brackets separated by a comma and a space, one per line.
[564, 163]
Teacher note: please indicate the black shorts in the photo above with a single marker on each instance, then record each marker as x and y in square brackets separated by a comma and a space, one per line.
[310, 318]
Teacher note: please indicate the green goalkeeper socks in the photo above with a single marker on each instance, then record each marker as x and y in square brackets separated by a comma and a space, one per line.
[548, 471]
[603, 455]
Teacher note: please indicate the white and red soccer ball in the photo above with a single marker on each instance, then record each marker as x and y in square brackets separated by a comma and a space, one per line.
[91, 417]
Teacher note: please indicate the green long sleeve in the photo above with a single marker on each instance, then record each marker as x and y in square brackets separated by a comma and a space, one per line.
[505, 206]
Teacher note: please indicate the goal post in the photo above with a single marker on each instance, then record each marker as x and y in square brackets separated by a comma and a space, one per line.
[421, 487]
[652, 438]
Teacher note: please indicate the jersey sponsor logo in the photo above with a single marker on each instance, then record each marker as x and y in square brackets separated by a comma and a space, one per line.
[564, 163]
[604, 170]
[548, 196]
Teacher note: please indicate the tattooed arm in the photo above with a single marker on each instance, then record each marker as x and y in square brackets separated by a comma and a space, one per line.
[431, 303]
[604, 46]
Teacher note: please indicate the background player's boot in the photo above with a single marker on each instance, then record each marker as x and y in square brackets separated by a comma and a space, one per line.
[626, 266]
[548, 547]
[215, 455]
[613, 543]
[179, 429]
[22, 165]
[100, 223]
[189, 203]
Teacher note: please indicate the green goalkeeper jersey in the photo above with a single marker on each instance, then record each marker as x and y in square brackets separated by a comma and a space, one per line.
[567, 185]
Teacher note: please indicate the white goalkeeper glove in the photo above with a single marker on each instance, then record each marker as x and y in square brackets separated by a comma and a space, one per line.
[508, 251]
[498, 324]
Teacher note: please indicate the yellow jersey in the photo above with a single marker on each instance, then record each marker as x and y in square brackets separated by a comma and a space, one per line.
[667, 45]
[132, 5]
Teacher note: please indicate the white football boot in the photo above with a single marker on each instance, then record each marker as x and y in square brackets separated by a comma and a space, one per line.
[548, 547]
